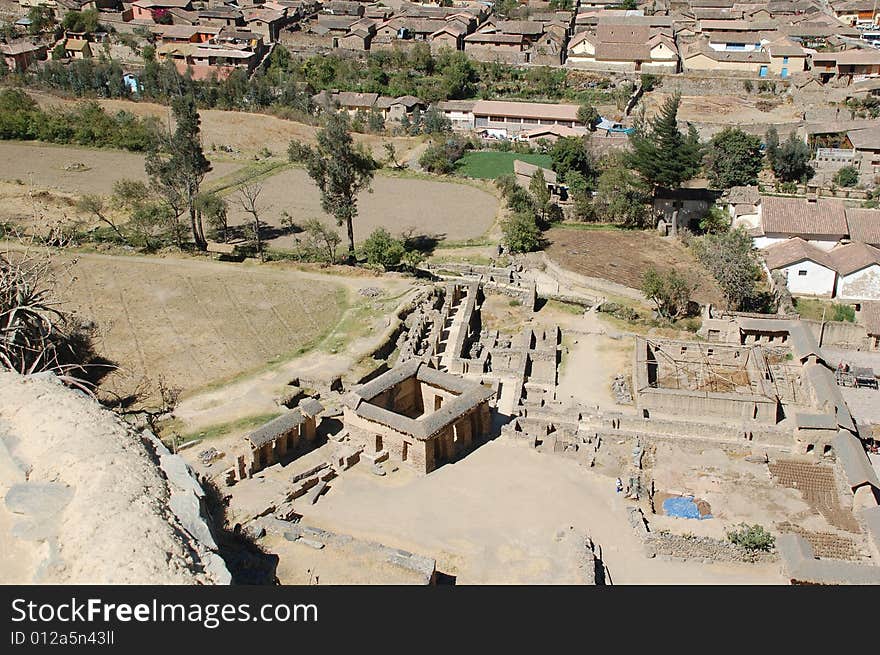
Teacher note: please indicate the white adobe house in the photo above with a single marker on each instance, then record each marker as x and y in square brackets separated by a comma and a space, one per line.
[849, 272]
[858, 271]
[808, 270]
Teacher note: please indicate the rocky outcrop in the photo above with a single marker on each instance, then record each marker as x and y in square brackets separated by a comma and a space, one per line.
[92, 500]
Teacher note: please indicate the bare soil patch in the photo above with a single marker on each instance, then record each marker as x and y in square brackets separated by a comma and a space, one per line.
[434, 209]
[192, 322]
[727, 109]
[623, 257]
[77, 170]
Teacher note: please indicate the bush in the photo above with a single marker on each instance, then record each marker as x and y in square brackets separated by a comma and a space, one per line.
[441, 157]
[847, 176]
[521, 233]
[843, 313]
[752, 537]
[383, 249]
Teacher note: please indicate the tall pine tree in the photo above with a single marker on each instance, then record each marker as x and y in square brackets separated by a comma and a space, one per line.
[663, 155]
[179, 175]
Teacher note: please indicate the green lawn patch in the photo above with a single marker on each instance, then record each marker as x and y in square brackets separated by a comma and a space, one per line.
[818, 310]
[492, 164]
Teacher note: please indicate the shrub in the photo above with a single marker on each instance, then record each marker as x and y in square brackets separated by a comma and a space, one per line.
[521, 233]
[383, 249]
[843, 313]
[752, 537]
[847, 176]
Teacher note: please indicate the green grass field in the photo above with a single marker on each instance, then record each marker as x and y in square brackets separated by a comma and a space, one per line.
[491, 164]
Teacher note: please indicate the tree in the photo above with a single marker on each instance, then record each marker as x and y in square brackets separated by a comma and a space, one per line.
[572, 154]
[670, 292]
[214, 210]
[730, 257]
[94, 205]
[622, 197]
[321, 239]
[716, 220]
[382, 249]
[521, 233]
[734, 158]
[589, 116]
[540, 195]
[848, 176]
[791, 162]
[660, 152]
[178, 176]
[248, 199]
[339, 168]
[442, 156]
[771, 145]
[147, 222]
[391, 156]
[81, 21]
[41, 18]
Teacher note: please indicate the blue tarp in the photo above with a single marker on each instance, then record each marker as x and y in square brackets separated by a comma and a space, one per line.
[683, 508]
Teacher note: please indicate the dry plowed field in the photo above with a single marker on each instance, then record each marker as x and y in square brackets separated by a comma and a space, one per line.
[77, 170]
[623, 257]
[437, 209]
[194, 323]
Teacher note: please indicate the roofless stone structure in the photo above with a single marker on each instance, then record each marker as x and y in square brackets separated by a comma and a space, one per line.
[420, 416]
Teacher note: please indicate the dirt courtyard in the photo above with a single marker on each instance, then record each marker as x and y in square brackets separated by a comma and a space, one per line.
[46, 166]
[495, 518]
[623, 256]
[433, 208]
[193, 322]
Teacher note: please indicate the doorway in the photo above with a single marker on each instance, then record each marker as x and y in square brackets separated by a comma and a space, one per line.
[404, 455]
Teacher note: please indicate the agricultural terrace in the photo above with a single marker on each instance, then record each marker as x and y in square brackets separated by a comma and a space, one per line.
[78, 170]
[623, 256]
[435, 209]
[490, 164]
[194, 323]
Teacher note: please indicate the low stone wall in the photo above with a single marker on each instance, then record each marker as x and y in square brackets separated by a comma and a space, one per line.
[691, 548]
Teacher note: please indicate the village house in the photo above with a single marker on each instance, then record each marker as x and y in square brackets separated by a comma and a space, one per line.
[858, 271]
[847, 65]
[460, 113]
[548, 50]
[357, 38]
[267, 22]
[742, 203]
[450, 36]
[142, 10]
[396, 109]
[18, 57]
[497, 47]
[505, 119]
[808, 271]
[699, 56]
[183, 33]
[346, 100]
[77, 49]
[624, 47]
[786, 57]
[865, 144]
[205, 61]
[221, 17]
[343, 8]
[550, 134]
[849, 272]
[856, 12]
[418, 416]
[819, 221]
[864, 225]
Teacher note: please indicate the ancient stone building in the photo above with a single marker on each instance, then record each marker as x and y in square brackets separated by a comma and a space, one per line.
[293, 431]
[420, 416]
